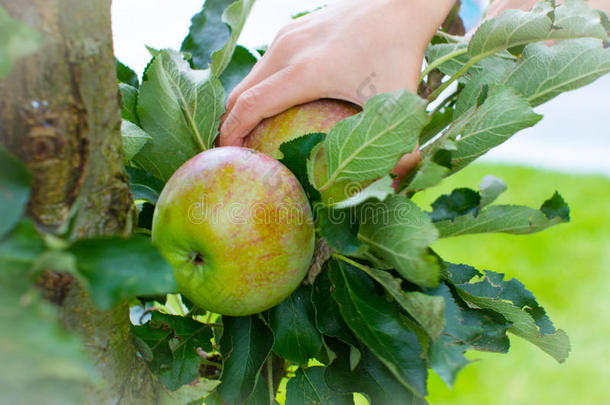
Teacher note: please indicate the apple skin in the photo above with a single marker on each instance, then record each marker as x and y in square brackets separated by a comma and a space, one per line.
[237, 228]
[316, 116]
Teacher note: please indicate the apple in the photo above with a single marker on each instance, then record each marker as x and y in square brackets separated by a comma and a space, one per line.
[237, 228]
[316, 116]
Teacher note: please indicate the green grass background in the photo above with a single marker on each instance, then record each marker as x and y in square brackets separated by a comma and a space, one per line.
[568, 269]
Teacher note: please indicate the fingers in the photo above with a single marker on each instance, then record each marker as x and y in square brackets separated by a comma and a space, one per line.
[286, 88]
[404, 166]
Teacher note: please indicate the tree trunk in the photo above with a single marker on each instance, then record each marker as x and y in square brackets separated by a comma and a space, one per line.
[60, 113]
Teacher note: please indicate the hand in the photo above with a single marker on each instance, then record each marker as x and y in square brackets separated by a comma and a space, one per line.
[351, 51]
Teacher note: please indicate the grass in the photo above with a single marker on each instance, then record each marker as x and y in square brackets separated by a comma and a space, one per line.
[568, 269]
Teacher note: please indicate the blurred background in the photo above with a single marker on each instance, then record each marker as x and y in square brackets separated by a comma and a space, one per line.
[568, 267]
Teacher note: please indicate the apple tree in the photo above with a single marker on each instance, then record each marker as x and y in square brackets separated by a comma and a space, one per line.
[90, 308]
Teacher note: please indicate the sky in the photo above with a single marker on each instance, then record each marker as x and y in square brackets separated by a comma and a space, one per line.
[573, 136]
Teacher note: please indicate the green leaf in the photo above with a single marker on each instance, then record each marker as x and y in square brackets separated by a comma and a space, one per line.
[241, 64]
[174, 341]
[180, 109]
[493, 70]
[465, 329]
[367, 145]
[514, 219]
[293, 323]
[19, 250]
[16, 41]
[516, 304]
[207, 33]
[126, 75]
[129, 99]
[370, 377]
[118, 269]
[481, 128]
[134, 138]
[379, 190]
[143, 185]
[15, 183]
[245, 344]
[235, 17]
[380, 326]
[490, 189]
[545, 72]
[214, 31]
[191, 394]
[461, 201]
[397, 231]
[427, 174]
[295, 154]
[453, 56]
[556, 207]
[573, 19]
[309, 388]
[42, 362]
[328, 317]
[339, 229]
[426, 309]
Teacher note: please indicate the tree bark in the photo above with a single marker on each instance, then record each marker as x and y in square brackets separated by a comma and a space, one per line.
[60, 113]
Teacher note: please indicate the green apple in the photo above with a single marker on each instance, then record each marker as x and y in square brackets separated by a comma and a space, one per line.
[315, 116]
[237, 228]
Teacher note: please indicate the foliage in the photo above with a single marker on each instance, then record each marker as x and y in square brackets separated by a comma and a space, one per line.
[386, 307]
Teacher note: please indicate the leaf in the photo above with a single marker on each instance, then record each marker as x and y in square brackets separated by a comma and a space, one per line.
[190, 394]
[492, 70]
[126, 75]
[17, 40]
[293, 323]
[129, 99]
[42, 362]
[143, 185]
[134, 138]
[465, 329]
[380, 326]
[489, 189]
[516, 304]
[245, 344]
[180, 108]
[241, 64]
[379, 190]
[545, 72]
[118, 269]
[19, 250]
[214, 31]
[514, 219]
[174, 342]
[309, 388]
[339, 229]
[328, 317]
[15, 183]
[295, 154]
[235, 17]
[460, 202]
[454, 56]
[370, 377]
[427, 310]
[397, 231]
[428, 174]
[207, 33]
[368, 145]
[481, 128]
[573, 19]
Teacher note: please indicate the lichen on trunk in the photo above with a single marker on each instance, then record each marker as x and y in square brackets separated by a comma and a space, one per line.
[60, 113]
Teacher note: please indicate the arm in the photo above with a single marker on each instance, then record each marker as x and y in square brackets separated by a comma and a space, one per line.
[352, 51]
